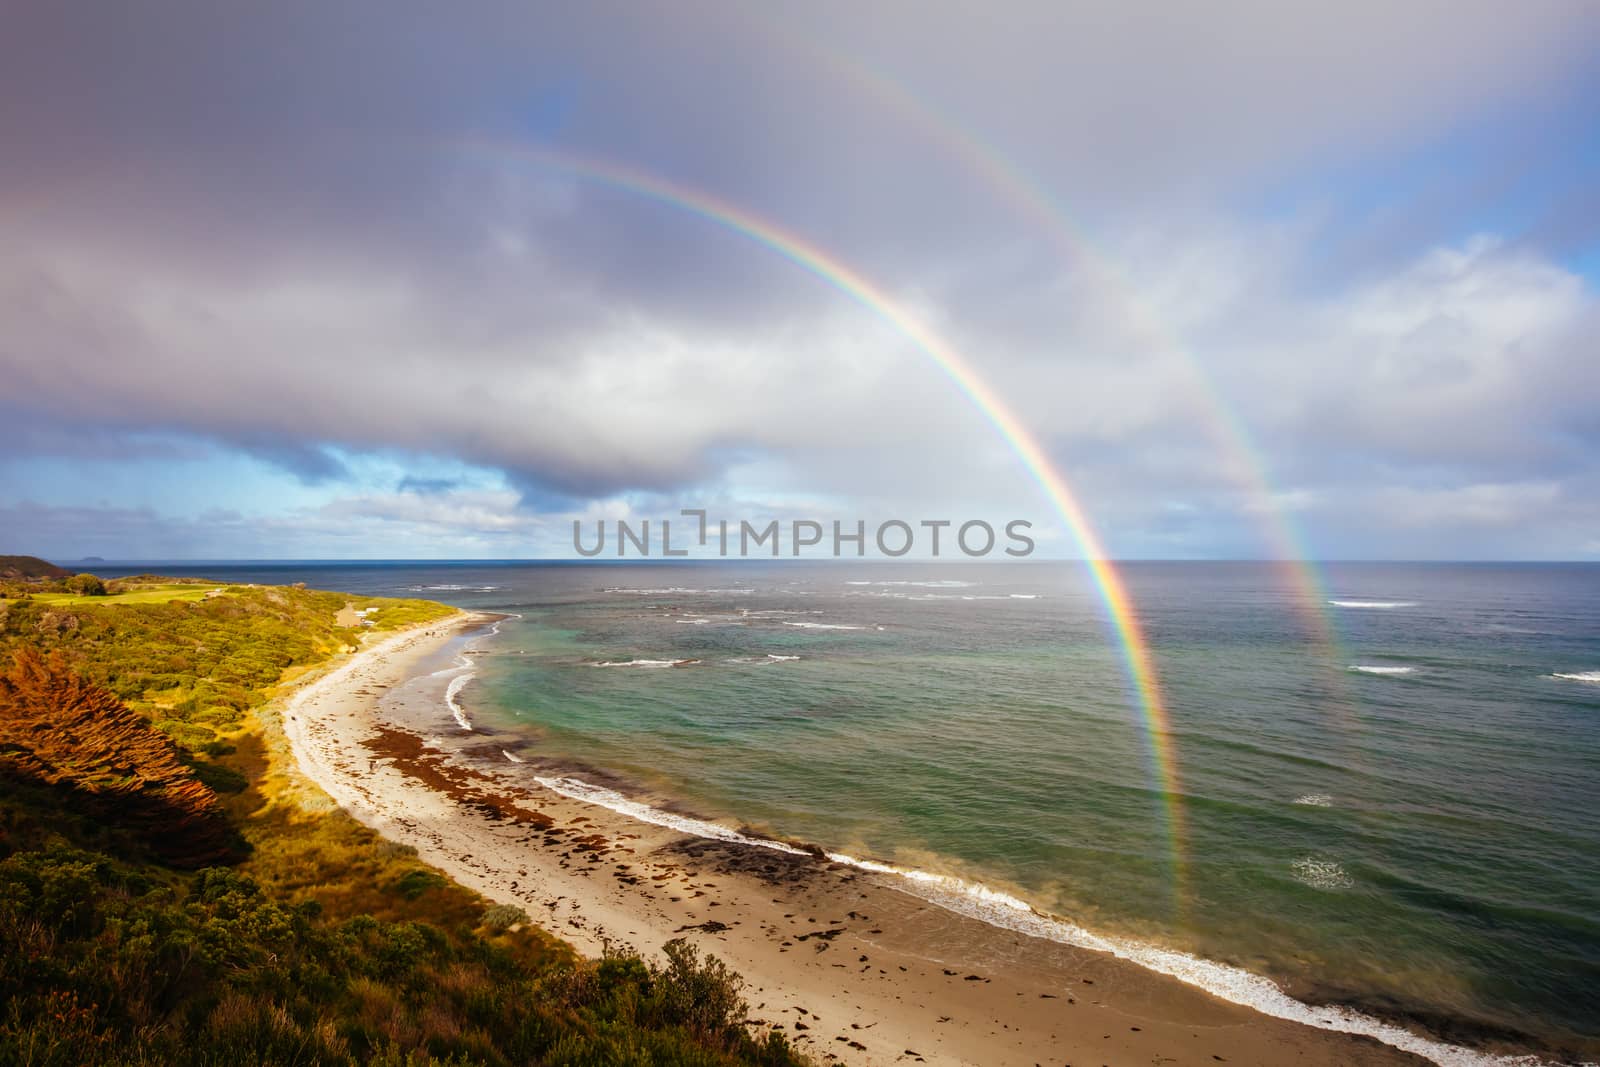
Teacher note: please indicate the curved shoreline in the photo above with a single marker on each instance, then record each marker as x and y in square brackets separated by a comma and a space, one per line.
[405, 791]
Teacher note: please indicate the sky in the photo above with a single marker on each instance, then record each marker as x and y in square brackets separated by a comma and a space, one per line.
[360, 280]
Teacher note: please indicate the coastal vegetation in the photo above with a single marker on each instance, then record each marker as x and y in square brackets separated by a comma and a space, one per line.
[24, 568]
[169, 894]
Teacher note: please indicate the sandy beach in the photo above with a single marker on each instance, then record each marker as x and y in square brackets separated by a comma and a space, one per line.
[848, 964]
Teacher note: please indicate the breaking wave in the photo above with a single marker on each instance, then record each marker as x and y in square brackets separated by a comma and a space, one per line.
[947, 584]
[450, 693]
[675, 590]
[468, 668]
[646, 664]
[1321, 874]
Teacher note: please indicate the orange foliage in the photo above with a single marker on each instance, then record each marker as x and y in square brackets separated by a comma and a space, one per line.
[63, 732]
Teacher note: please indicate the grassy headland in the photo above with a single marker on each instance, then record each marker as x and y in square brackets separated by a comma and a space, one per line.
[168, 896]
[21, 568]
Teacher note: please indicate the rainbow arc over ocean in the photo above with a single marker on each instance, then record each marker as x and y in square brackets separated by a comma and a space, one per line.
[1035, 205]
[1129, 633]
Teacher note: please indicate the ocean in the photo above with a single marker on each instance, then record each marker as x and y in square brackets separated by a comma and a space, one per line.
[1380, 789]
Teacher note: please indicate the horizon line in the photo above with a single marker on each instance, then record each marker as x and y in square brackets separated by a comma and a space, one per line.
[851, 560]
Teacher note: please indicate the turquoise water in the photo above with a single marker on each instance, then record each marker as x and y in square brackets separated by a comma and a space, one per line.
[1417, 838]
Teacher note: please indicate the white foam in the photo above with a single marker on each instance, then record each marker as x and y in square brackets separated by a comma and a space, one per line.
[1580, 676]
[1321, 874]
[456, 588]
[1315, 800]
[450, 698]
[468, 669]
[675, 590]
[513, 758]
[1366, 669]
[1004, 910]
[887, 594]
[1380, 604]
[825, 626]
[763, 661]
[610, 798]
[946, 584]
[647, 664]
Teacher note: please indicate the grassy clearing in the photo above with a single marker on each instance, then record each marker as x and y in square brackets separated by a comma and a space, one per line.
[159, 594]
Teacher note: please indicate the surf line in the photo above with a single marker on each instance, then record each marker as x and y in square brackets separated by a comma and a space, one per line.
[468, 670]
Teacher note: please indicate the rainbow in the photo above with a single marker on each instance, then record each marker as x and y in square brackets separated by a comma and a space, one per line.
[1022, 193]
[1135, 650]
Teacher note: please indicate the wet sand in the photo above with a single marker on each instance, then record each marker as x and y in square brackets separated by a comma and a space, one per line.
[843, 961]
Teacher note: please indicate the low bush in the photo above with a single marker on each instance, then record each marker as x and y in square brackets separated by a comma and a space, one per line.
[498, 918]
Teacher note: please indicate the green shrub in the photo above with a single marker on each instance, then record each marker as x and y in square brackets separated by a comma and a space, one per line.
[190, 735]
[701, 994]
[85, 585]
[220, 778]
[413, 884]
[218, 715]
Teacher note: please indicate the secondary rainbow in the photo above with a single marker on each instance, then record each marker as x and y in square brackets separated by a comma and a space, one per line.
[1135, 650]
[1024, 194]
